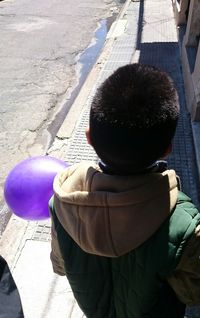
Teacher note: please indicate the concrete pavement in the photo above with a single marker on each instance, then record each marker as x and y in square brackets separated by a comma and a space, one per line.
[144, 32]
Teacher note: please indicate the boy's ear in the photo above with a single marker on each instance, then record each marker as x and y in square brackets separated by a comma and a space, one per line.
[167, 151]
[87, 133]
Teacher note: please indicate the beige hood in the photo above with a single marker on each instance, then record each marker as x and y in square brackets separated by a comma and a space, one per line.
[111, 215]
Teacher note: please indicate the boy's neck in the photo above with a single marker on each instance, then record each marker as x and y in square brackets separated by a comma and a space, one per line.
[158, 166]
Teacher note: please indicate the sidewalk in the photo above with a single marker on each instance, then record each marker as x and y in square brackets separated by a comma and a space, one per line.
[144, 32]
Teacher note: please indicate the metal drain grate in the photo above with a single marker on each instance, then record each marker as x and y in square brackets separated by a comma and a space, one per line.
[79, 149]
[42, 232]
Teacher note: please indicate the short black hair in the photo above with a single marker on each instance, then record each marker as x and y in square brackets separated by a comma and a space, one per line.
[133, 117]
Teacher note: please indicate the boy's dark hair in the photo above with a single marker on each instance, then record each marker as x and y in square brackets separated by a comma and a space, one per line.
[133, 117]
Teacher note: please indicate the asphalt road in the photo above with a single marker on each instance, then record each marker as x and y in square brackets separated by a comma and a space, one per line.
[41, 42]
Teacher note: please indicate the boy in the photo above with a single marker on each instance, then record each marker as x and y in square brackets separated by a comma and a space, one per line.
[123, 233]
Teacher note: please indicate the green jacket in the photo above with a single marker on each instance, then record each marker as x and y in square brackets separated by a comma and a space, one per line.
[110, 279]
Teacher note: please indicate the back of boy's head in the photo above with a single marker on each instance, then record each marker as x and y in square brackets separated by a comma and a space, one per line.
[133, 117]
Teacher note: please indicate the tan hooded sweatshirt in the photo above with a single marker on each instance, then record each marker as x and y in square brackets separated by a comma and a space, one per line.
[111, 215]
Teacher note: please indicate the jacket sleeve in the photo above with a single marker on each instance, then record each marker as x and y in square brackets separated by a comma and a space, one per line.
[185, 280]
[55, 255]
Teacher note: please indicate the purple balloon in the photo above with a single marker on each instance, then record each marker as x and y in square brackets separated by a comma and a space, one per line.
[29, 186]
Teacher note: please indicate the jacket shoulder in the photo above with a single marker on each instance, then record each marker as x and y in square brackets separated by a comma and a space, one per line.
[183, 220]
[174, 235]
